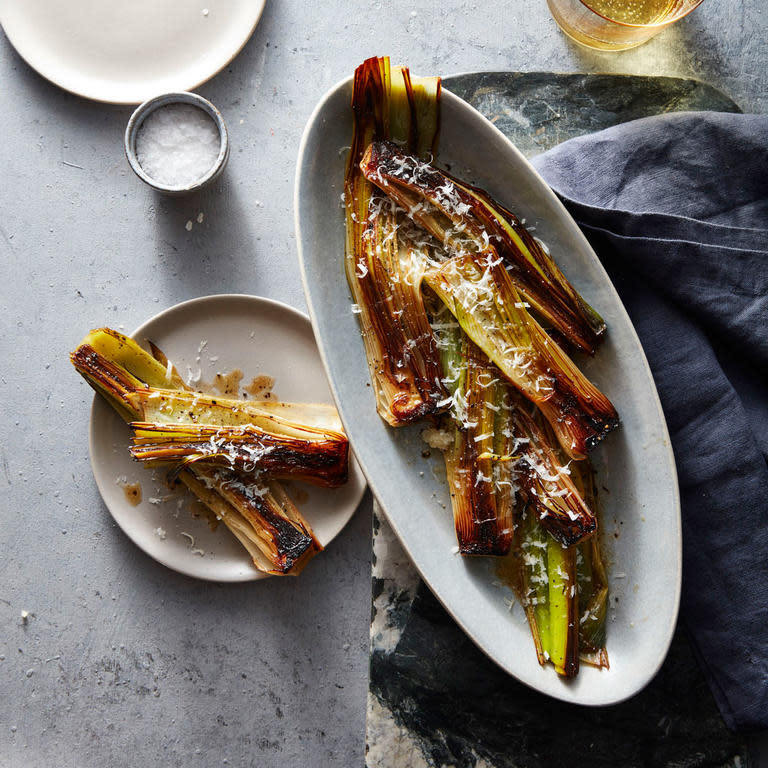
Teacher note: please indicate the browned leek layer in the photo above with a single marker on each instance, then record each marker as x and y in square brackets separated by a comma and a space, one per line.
[463, 217]
[320, 462]
[546, 485]
[383, 273]
[108, 378]
[283, 540]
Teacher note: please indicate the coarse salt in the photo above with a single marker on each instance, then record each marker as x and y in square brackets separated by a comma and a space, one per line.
[177, 144]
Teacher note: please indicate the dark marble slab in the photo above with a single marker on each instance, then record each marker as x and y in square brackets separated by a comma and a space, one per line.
[434, 698]
[538, 110]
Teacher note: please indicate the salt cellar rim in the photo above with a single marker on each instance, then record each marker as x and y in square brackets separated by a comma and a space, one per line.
[146, 109]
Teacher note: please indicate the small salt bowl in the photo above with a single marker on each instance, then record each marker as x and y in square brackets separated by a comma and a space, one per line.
[177, 143]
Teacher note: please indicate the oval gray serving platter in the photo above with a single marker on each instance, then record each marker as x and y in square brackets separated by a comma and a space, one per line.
[640, 506]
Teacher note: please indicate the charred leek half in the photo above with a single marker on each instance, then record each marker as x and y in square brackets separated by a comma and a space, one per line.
[547, 589]
[465, 218]
[480, 485]
[383, 271]
[259, 514]
[478, 290]
[563, 590]
[247, 448]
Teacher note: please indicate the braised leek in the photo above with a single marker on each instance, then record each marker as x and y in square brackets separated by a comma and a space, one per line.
[383, 272]
[564, 591]
[480, 486]
[479, 292]
[544, 576]
[322, 462]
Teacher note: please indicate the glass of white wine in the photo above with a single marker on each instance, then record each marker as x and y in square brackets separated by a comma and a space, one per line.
[615, 25]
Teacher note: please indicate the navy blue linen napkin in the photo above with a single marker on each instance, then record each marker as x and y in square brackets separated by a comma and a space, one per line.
[676, 207]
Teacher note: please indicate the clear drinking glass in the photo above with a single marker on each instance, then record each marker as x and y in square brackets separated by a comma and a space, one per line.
[615, 25]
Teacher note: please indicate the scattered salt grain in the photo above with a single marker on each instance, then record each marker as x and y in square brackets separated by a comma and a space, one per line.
[188, 225]
[160, 533]
[177, 144]
[200, 217]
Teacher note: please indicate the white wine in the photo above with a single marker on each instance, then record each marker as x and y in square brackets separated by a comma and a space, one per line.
[634, 11]
[614, 25]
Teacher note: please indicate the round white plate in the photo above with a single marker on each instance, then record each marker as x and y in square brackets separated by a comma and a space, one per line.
[127, 52]
[258, 336]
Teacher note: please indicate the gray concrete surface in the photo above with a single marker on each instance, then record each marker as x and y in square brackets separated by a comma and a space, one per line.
[123, 662]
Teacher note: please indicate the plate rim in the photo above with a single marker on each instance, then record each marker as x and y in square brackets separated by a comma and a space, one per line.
[52, 77]
[662, 648]
[98, 400]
